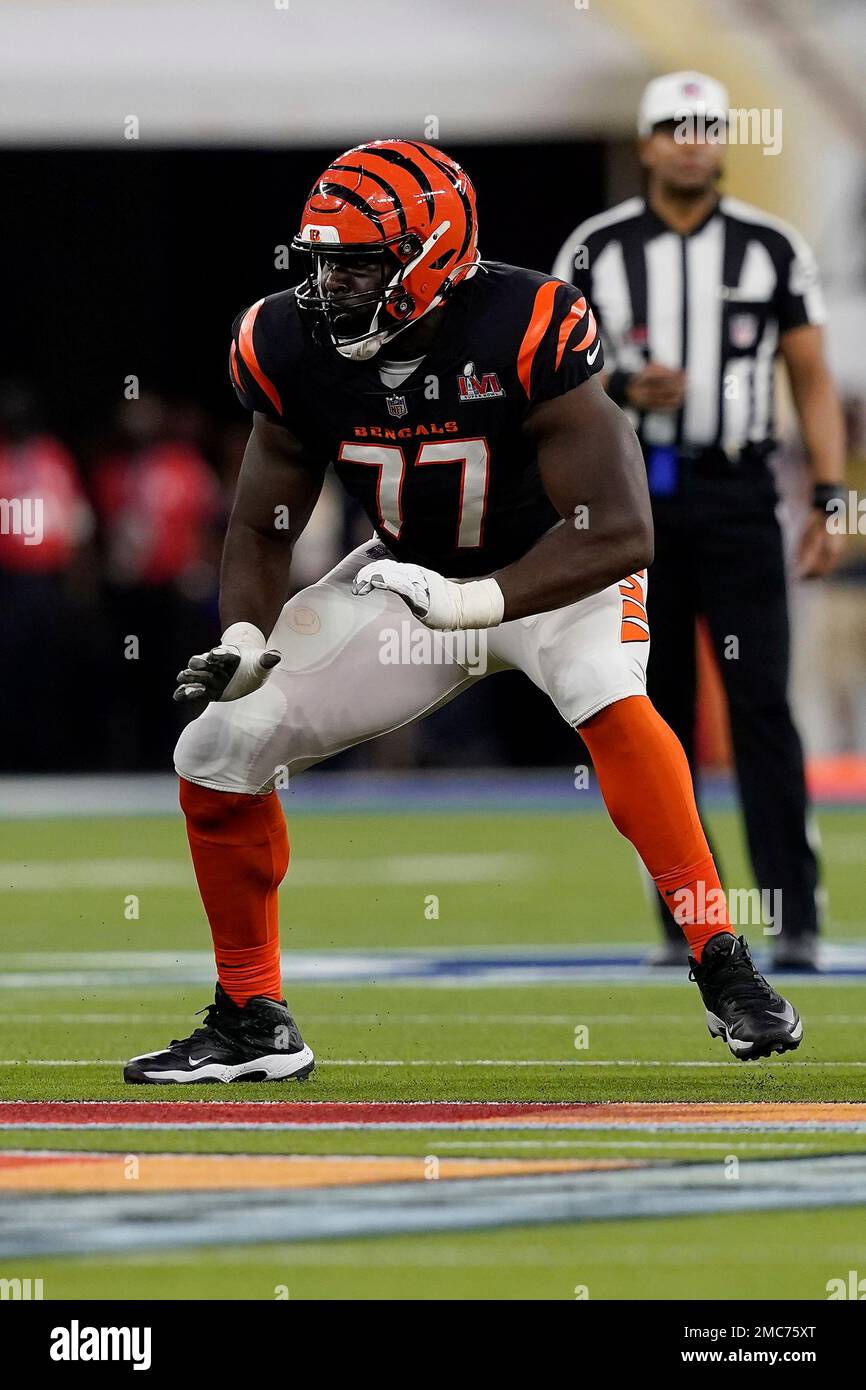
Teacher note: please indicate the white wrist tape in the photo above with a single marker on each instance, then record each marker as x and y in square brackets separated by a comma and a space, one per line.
[479, 603]
[243, 635]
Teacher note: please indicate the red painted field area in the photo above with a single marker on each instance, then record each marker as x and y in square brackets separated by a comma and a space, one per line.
[211, 1114]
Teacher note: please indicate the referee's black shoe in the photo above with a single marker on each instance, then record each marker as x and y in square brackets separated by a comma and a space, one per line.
[798, 953]
[741, 1007]
[259, 1042]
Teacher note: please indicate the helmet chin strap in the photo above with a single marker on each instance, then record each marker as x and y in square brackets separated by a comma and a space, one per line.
[365, 349]
[372, 342]
[369, 346]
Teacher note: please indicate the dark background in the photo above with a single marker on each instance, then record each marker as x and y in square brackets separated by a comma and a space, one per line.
[135, 262]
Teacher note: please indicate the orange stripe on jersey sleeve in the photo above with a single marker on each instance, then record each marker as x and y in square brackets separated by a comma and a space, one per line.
[542, 312]
[588, 336]
[248, 356]
[572, 318]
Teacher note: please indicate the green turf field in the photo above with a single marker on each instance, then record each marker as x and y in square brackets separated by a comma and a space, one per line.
[500, 880]
[84, 900]
[399, 1042]
[361, 880]
[781, 1255]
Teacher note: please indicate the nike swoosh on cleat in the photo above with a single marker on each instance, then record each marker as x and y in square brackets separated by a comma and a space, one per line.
[199, 1061]
[787, 1014]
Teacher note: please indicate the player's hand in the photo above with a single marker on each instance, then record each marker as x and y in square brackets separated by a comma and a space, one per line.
[235, 668]
[439, 602]
[412, 583]
[820, 550]
[656, 387]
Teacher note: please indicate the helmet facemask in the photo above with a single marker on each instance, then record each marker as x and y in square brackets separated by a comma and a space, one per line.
[359, 324]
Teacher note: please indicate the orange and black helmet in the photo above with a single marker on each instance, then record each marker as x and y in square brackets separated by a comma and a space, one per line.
[399, 200]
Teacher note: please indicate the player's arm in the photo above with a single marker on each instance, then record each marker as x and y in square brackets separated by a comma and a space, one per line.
[819, 411]
[277, 490]
[593, 472]
[278, 487]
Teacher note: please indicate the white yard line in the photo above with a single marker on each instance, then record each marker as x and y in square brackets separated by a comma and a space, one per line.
[433, 1020]
[552, 1062]
[323, 873]
[686, 1018]
[170, 959]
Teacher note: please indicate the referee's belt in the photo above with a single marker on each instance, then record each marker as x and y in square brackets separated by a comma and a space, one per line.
[713, 461]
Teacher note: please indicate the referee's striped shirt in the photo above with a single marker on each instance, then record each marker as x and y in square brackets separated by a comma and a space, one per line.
[714, 302]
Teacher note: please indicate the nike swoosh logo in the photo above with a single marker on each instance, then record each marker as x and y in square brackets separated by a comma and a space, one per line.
[591, 356]
[200, 1060]
[787, 1014]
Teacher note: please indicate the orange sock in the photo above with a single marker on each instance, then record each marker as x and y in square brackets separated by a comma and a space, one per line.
[644, 778]
[240, 852]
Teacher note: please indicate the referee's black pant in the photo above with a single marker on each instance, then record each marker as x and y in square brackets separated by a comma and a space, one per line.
[718, 553]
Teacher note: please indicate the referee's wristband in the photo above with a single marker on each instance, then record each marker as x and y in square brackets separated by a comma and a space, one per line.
[825, 494]
[617, 385]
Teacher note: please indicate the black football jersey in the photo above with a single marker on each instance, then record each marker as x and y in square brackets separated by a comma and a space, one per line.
[440, 464]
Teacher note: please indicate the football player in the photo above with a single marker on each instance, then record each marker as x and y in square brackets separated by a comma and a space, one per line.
[459, 402]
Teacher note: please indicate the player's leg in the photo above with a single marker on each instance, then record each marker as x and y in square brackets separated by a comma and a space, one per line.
[350, 670]
[672, 607]
[591, 659]
[672, 675]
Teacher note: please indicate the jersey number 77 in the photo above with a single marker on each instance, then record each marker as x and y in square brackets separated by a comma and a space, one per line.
[473, 458]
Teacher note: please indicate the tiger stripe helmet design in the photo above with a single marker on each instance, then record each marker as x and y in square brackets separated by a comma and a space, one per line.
[401, 200]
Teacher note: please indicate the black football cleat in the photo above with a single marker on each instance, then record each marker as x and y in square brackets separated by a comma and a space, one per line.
[259, 1042]
[741, 1007]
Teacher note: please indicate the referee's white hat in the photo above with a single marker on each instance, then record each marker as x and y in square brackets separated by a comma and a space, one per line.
[680, 94]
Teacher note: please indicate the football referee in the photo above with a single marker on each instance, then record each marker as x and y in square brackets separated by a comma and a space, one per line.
[696, 294]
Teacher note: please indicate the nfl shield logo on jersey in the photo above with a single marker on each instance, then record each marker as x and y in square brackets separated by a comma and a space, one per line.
[397, 406]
